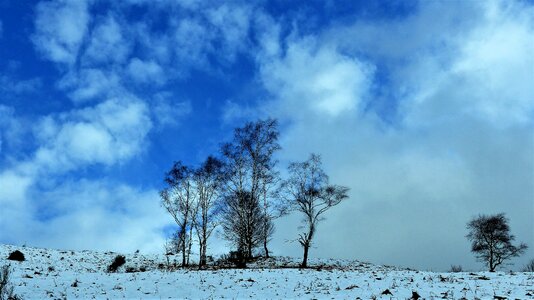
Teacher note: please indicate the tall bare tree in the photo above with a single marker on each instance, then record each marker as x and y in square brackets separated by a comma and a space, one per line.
[251, 174]
[179, 199]
[208, 181]
[308, 191]
[260, 142]
[491, 240]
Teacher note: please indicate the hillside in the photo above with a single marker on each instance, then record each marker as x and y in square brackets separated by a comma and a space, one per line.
[57, 274]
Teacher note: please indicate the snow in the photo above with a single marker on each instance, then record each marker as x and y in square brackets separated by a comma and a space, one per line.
[56, 274]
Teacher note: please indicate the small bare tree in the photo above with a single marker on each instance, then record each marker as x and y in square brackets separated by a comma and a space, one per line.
[179, 198]
[491, 240]
[529, 267]
[308, 191]
[208, 180]
[6, 288]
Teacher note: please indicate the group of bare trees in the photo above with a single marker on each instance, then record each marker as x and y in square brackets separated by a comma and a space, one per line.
[192, 198]
[243, 193]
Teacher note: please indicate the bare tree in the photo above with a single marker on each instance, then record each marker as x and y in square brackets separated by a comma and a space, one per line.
[308, 191]
[251, 170]
[6, 288]
[179, 198]
[208, 180]
[491, 240]
[242, 222]
[529, 267]
[260, 142]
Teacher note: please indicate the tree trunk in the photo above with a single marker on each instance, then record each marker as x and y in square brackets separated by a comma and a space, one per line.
[265, 248]
[305, 257]
[249, 252]
[266, 223]
[184, 246]
[201, 260]
[491, 263]
[203, 254]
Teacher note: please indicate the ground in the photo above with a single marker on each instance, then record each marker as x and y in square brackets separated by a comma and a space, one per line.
[57, 274]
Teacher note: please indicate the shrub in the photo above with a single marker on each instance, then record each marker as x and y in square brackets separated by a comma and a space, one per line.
[237, 258]
[456, 269]
[529, 267]
[16, 255]
[117, 262]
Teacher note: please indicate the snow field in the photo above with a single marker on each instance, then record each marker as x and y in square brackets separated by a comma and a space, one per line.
[55, 274]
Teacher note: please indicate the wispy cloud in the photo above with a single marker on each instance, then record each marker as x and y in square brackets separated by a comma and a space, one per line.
[107, 42]
[168, 111]
[60, 29]
[13, 86]
[146, 71]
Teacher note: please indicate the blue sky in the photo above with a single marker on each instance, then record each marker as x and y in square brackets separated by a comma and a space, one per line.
[425, 109]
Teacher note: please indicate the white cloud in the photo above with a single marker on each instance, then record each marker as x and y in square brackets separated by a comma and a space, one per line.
[497, 63]
[146, 71]
[268, 31]
[449, 60]
[233, 112]
[13, 130]
[13, 187]
[155, 45]
[233, 22]
[192, 43]
[83, 214]
[169, 111]
[38, 207]
[206, 36]
[111, 217]
[60, 28]
[107, 43]
[487, 76]
[6, 122]
[90, 84]
[9, 85]
[317, 78]
[111, 132]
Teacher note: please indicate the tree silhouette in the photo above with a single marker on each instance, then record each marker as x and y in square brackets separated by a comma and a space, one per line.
[179, 199]
[251, 181]
[308, 191]
[491, 240]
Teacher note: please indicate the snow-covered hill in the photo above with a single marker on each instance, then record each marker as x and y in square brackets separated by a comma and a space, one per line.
[56, 274]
